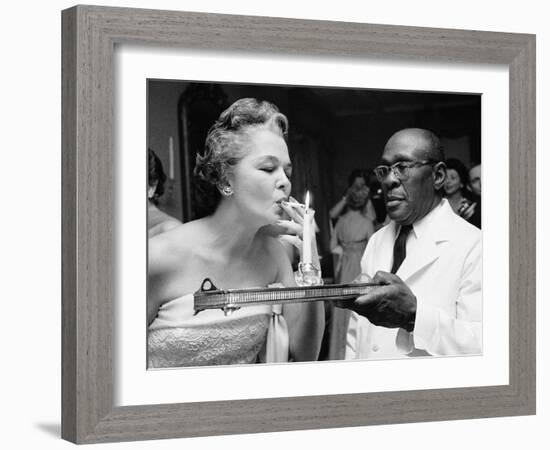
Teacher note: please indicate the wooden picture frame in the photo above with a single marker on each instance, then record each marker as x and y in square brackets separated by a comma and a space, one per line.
[90, 34]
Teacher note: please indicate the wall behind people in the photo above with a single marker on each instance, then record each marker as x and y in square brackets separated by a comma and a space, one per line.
[361, 130]
[162, 124]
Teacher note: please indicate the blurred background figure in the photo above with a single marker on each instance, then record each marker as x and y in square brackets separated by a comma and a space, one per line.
[474, 187]
[157, 221]
[475, 180]
[455, 188]
[354, 227]
[357, 180]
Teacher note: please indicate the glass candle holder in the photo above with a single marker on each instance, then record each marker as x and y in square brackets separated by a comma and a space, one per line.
[308, 275]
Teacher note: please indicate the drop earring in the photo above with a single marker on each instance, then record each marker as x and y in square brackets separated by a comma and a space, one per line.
[227, 191]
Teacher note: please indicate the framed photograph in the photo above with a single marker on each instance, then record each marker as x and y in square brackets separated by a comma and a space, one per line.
[141, 91]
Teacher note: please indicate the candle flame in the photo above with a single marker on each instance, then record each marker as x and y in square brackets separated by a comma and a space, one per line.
[307, 200]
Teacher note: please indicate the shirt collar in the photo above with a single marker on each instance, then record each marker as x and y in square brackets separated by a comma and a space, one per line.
[422, 226]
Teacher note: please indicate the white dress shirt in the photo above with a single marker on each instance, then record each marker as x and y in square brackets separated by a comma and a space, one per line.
[443, 270]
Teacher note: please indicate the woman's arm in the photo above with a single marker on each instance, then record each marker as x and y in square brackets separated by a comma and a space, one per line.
[305, 321]
[162, 227]
[334, 243]
[160, 266]
[337, 209]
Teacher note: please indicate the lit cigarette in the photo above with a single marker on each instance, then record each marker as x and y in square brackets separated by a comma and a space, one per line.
[295, 202]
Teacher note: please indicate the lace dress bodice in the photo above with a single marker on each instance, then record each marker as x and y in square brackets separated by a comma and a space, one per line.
[177, 338]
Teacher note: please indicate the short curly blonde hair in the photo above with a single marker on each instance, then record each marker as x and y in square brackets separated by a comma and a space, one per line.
[227, 143]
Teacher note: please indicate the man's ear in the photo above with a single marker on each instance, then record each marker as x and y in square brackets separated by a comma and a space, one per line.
[439, 175]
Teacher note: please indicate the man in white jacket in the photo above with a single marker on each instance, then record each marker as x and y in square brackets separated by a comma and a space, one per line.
[427, 259]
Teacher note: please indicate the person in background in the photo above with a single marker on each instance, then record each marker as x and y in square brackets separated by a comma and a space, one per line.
[474, 187]
[456, 191]
[157, 221]
[352, 230]
[427, 261]
[356, 181]
[349, 240]
[475, 179]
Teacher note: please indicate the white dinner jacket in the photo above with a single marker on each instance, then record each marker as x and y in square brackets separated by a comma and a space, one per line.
[443, 270]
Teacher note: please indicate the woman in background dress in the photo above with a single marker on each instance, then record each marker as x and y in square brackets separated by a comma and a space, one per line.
[349, 240]
[351, 233]
[456, 192]
[357, 179]
[243, 180]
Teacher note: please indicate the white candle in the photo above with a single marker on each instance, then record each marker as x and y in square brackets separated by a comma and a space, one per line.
[306, 235]
[171, 158]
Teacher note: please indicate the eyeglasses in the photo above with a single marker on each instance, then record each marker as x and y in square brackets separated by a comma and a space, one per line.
[400, 169]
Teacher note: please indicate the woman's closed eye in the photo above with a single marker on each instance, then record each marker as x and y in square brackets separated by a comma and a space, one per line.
[272, 169]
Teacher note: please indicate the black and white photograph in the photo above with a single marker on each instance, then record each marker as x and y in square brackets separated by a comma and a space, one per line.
[309, 224]
[258, 225]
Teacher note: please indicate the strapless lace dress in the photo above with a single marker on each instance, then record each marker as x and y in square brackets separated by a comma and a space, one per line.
[177, 338]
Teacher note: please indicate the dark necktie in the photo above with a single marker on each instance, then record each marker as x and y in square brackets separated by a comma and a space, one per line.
[400, 247]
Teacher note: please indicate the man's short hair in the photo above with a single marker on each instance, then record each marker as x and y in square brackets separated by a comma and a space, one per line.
[435, 148]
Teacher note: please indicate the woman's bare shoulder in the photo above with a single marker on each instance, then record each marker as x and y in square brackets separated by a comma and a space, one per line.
[176, 243]
[272, 246]
[278, 259]
[163, 227]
